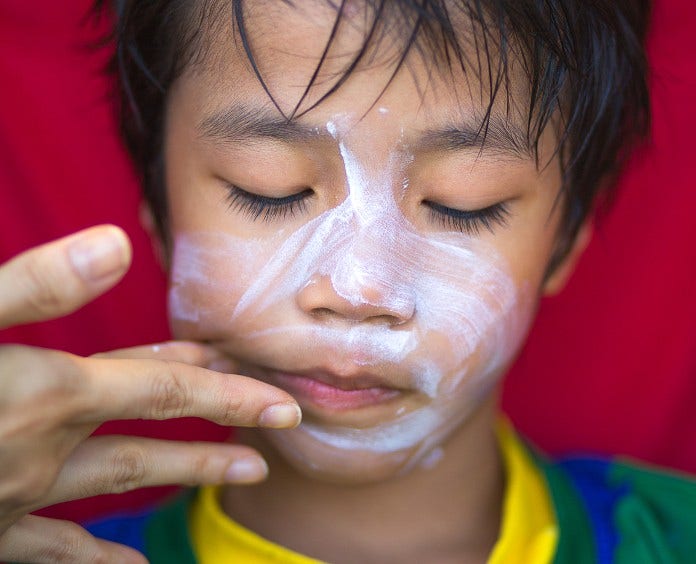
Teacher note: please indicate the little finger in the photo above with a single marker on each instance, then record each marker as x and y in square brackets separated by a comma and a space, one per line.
[188, 352]
[42, 540]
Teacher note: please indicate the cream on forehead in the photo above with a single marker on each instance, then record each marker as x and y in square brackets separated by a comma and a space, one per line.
[450, 288]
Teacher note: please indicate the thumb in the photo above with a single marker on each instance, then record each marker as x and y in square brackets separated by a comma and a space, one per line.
[59, 277]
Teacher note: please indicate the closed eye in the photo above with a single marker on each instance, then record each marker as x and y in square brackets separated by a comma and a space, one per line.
[470, 222]
[256, 206]
[267, 208]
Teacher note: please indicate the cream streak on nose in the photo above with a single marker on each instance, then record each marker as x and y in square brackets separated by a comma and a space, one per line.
[366, 272]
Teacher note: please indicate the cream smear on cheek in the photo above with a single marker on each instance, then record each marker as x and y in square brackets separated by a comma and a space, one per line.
[459, 314]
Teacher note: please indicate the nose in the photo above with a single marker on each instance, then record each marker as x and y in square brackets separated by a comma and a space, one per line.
[373, 301]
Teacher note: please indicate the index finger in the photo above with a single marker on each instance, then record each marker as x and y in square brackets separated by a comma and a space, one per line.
[163, 389]
[59, 277]
[188, 352]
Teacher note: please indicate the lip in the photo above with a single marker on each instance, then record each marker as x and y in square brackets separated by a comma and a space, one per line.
[327, 391]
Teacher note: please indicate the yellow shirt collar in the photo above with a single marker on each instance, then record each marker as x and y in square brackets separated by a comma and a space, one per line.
[528, 532]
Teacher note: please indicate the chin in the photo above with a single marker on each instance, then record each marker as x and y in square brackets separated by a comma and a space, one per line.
[351, 467]
[326, 463]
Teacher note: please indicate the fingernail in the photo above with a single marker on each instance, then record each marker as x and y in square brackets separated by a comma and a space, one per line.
[250, 469]
[281, 416]
[99, 255]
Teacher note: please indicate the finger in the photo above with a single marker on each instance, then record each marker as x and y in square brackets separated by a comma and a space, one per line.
[116, 464]
[39, 539]
[158, 389]
[59, 277]
[187, 352]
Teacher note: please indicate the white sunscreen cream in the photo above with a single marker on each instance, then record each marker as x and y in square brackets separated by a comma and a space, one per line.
[449, 314]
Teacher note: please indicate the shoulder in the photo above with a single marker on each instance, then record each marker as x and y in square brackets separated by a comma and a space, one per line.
[159, 532]
[632, 512]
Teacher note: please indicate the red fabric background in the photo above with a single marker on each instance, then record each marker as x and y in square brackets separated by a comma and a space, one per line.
[610, 364]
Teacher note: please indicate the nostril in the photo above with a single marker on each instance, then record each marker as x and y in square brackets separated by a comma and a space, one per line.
[370, 300]
[321, 312]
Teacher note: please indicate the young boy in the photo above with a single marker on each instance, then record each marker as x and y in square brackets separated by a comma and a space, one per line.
[361, 203]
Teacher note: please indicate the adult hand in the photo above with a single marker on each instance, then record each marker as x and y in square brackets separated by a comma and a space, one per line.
[51, 401]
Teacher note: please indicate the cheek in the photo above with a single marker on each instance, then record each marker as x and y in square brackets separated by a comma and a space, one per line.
[209, 274]
[471, 315]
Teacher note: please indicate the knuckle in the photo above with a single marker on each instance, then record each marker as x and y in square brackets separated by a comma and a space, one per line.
[66, 545]
[13, 359]
[44, 294]
[229, 409]
[63, 375]
[45, 373]
[54, 389]
[30, 487]
[101, 557]
[171, 395]
[233, 408]
[41, 483]
[129, 469]
[201, 469]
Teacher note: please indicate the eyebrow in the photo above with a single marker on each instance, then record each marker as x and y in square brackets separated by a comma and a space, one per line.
[499, 136]
[239, 123]
[243, 123]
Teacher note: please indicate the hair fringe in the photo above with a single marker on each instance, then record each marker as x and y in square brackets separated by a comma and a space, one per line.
[584, 59]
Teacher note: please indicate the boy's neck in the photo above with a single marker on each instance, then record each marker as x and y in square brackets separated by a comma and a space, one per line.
[448, 513]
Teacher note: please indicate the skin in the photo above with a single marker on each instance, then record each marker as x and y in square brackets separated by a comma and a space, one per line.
[454, 476]
[48, 414]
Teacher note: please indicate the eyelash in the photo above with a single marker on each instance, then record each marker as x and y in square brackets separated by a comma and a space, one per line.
[470, 222]
[255, 205]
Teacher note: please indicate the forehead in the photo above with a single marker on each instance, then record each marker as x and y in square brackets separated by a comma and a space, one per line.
[319, 58]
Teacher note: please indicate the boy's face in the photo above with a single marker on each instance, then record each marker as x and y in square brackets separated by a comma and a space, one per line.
[376, 263]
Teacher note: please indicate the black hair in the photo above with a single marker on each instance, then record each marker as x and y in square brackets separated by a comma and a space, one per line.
[584, 60]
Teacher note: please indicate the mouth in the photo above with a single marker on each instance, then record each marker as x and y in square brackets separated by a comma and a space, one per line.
[323, 391]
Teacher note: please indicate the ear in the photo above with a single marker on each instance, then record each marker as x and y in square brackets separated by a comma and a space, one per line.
[147, 221]
[559, 277]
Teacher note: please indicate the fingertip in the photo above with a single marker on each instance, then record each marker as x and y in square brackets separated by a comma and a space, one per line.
[101, 254]
[128, 555]
[281, 416]
[120, 239]
[119, 234]
[121, 553]
[247, 470]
